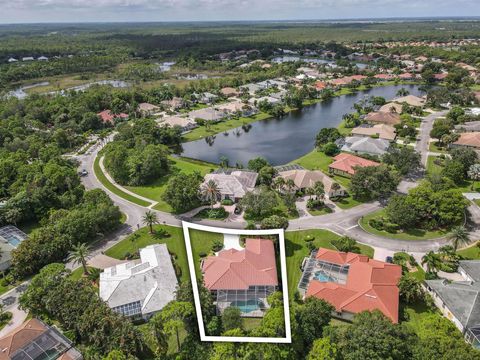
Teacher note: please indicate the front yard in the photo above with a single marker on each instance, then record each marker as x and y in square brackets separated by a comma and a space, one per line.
[155, 190]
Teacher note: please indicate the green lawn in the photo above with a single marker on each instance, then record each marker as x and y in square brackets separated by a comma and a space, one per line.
[155, 190]
[296, 251]
[142, 238]
[465, 186]
[434, 148]
[472, 252]
[432, 167]
[414, 234]
[202, 131]
[78, 272]
[323, 211]
[317, 160]
[251, 323]
[416, 313]
[201, 242]
[103, 179]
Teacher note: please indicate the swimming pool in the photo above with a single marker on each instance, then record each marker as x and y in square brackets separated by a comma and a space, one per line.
[14, 241]
[246, 306]
[323, 277]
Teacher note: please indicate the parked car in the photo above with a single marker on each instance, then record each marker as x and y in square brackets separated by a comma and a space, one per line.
[238, 210]
[389, 259]
[83, 173]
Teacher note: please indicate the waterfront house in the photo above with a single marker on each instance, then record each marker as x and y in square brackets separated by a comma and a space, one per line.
[185, 123]
[411, 100]
[242, 278]
[233, 183]
[364, 145]
[142, 287]
[229, 92]
[381, 131]
[352, 283]
[459, 301]
[382, 117]
[391, 107]
[304, 179]
[345, 164]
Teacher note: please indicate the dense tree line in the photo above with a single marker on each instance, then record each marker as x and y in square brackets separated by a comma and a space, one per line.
[93, 217]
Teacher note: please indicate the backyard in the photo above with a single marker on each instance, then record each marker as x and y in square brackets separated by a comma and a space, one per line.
[296, 250]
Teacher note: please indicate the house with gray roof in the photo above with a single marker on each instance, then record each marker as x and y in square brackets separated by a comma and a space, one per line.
[364, 145]
[232, 183]
[459, 301]
[140, 288]
[471, 126]
[10, 238]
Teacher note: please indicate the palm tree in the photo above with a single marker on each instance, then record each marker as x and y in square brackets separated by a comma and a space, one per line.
[319, 189]
[279, 183]
[432, 261]
[474, 173]
[79, 255]
[335, 187]
[150, 219]
[458, 236]
[211, 192]
[290, 184]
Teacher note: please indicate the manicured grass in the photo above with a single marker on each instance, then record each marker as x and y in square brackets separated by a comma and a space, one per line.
[472, 252]
[103, 179]
[202, 131]
[142, 238]
[347, 202]
[296, 250]
[251, 323]
[415, 314]
[156, 190]
[432, 167]
[344, 130]
[323, 211]
[4, 289]
[434, 148]
[413, 234]
[201, 242]
[78, 273]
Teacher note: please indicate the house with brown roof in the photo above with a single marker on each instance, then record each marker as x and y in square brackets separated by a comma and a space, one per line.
[468, 139]
[352, 283]
[242, 278]
[345, 164]
[174, 104]
[147, 109]
[381, 117]
[229, 92]
[185, 123]
[381, 131]
[411, 100]
[304, 179]
[36, 340]
[392, 107]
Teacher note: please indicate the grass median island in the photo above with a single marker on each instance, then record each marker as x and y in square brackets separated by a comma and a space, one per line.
[471, 252]
[164, 234]
[105, 182]
[156, 189]
[411, 234]
[296, 250]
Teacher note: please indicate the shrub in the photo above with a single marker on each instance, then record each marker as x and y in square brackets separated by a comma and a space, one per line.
[202, 254]
[311, 246]
[227, 202]
[390, 227]
[274, 222]
[250, 225]
[309, 238]
[376, 224]
[218, 213]
[217, 245]
[314, 204]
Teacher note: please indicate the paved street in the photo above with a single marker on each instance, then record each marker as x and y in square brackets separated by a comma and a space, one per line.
[424, 135]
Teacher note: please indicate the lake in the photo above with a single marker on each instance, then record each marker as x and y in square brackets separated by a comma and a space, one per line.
[285, 139]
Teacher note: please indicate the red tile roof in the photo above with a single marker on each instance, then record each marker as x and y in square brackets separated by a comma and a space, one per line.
[441, 76]
[348, 162]
[108, 116]
[384, 117]
[238, 269]
[371, 284]
[384, 76]
[320, 85]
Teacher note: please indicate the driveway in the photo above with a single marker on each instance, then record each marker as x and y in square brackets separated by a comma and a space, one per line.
[231, 241]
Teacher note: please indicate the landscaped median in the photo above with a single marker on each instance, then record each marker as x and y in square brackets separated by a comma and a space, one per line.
[412, 234]
[114, 189]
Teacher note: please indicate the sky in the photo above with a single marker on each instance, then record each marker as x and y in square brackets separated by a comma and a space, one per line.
[27, 11]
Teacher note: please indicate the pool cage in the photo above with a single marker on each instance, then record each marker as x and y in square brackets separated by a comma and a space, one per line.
[472, 336]
[252, 302]
[12, 235]
[312, 268]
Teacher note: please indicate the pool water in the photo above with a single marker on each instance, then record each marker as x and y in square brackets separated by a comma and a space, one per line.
[323, 277]
[246, 306]
[14, 241]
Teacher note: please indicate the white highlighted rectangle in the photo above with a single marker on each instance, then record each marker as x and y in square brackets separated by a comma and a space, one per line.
[196, 296]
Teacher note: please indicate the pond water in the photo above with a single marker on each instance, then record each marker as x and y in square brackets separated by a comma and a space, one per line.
[20, 93]
[282, 140]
